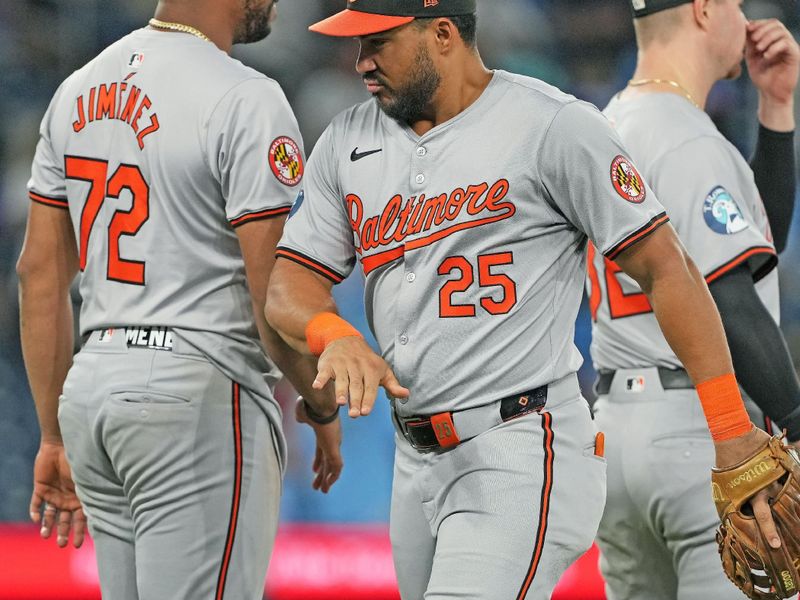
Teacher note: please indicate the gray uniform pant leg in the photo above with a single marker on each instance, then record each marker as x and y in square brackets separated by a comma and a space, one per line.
[657, 535]
[499, 516]
[178, 471]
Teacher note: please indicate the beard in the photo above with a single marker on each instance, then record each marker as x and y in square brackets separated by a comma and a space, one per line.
[255, 25]
[411, 99]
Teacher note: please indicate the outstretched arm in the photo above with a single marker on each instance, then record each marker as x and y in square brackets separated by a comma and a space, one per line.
[257, 240]
[692, 326]
[46, 268]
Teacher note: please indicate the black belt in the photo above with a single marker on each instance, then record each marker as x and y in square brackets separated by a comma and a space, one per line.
[435, 432]
[671, 379]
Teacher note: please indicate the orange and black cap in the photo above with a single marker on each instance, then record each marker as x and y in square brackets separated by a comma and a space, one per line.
[365, 17]
[642, 8]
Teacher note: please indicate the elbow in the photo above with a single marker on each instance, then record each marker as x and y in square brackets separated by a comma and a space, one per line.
[272, 306]
[29, 268]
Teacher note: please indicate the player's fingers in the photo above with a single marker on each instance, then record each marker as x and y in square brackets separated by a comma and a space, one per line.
[371, 383]
[48, 519]
[35, 508]
[317, 461]
[762, 28]
[770, 37]
[324, 375]
[391, 385]
[763, 516]
[64, 523]
[78, 528]
[777, 49]
[356, 390]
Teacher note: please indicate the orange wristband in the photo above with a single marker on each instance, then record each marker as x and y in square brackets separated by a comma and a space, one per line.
[326, 327]
[724, 409]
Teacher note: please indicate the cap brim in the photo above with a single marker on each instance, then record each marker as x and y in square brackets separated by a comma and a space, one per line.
[352, 23]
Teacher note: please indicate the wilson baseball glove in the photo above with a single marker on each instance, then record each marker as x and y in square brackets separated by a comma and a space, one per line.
[760, 571]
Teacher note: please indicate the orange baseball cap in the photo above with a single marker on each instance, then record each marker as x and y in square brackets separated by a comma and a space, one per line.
[365, 17]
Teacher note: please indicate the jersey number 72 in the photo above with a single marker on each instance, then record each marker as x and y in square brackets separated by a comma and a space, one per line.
[124, 222]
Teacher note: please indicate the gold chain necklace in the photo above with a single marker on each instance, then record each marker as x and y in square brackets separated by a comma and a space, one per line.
[178, 27]
[675, 84]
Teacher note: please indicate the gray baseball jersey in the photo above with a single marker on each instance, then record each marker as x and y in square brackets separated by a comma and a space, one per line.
[159, 148]
[713, 203]
[657, 535]
[156, 172]
[473, 237]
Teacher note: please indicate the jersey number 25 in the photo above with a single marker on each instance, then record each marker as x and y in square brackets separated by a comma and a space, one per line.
[124, 222]
[486, 279]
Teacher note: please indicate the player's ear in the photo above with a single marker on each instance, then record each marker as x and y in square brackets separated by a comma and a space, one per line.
[446, 34]
[701, 11]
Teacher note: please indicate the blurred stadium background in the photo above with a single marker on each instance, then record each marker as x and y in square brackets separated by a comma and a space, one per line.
[331, 546]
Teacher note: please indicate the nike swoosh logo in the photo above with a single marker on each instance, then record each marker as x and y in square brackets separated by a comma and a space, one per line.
[356, 155]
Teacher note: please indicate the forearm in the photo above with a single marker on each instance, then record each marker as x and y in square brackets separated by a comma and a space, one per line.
[47, 342]
[690, 322]
[760, 356]
[294, 297]
[773, 165]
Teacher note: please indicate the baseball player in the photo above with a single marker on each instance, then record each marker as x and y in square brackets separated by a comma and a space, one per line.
[472, 240]
[163, 174]
[657, 535]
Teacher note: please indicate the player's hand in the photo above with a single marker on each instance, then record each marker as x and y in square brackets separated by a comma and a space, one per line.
[773, 59]
[54, 501]
[357, 372]
[734, 451]
[328, 461]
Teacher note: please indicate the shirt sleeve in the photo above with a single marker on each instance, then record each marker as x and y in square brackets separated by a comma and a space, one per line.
[255, 150]
[700, 186]
[592, 181]
[318, 234]
[47, 184]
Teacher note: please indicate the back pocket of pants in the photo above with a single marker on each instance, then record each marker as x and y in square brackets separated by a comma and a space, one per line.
[149, 397]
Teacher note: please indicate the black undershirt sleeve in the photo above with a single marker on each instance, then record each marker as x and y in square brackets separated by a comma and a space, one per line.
[761, 358]
[773, 165]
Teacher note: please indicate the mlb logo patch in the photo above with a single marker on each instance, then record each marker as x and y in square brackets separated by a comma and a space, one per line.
[136, 60]
[635, 385]
[105, 336]
[431, 3]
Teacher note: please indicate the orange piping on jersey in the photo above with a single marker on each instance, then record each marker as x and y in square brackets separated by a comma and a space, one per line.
[309, 263]
[57, 202]
[594, 280]
[261, 214]
[544, 508]
[736, 261]
[636, 236]
[237, 491]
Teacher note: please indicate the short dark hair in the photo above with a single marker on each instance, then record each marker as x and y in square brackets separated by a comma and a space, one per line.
[467, 26]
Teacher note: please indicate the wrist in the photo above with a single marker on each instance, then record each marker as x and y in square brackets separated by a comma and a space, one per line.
[318, 418]
[776, 114]
[723, 407]
[51, 440]
[326, 327]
